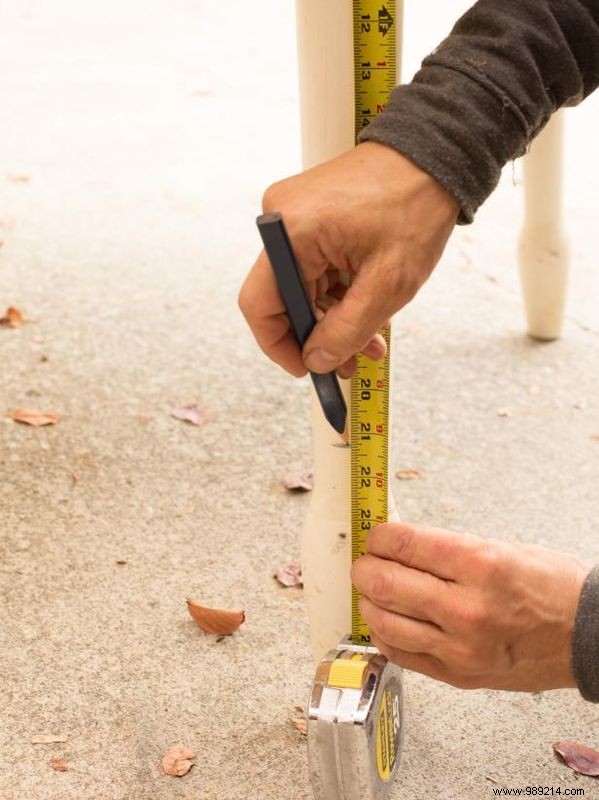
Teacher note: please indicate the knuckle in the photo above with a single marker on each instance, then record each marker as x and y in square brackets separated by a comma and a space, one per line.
[270, 197]
[474, 618]
[348, 334]
[382, 587]
[387, 628]
[491, 559]
[403, 546]
[399, 280]
[355, 573]
[242, 300]
[392, 276]
[349, 330]
[285, 196]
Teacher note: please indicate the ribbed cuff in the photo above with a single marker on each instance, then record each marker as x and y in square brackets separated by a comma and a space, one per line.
[585, 640]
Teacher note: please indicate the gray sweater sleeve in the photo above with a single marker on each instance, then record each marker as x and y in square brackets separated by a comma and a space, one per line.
[585, 642]
[483, 95]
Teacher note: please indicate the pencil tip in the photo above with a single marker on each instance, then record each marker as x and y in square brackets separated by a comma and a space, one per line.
[345, 434]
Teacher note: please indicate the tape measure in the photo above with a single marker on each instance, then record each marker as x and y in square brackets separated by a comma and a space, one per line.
[369, 429]
[355, 713]
[375, 58]
[356, 709]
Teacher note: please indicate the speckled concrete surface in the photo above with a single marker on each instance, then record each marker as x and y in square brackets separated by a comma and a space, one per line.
[147, 146]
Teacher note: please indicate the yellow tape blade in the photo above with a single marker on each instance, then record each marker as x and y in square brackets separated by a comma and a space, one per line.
[375, 76]
[369, 430]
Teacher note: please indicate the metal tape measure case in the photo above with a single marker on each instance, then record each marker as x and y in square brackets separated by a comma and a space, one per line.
[355, 725]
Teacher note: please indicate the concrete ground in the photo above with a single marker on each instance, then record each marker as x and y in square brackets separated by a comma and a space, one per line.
[147, 132]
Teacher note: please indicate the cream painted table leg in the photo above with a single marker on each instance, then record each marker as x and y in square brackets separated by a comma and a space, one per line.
[326, 69]
[543, 250]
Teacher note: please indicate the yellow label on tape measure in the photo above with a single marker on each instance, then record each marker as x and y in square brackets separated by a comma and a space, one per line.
[375, 57]
[388, 730]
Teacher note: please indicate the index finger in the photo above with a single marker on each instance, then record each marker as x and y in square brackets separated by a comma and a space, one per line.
[439, 552]
[264, 310]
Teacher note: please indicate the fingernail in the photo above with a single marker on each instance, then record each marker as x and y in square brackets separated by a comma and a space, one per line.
[321, 361]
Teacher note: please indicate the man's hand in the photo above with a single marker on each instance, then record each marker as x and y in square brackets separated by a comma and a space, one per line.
[474, 613]
[370, 214]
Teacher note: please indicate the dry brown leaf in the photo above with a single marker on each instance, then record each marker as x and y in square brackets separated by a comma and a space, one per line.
[59, 765]
[290, 574]
[36, 418]
[13, 318]
[504, 412]
[191, 413]
[579, 757]
[177, 761]
[409, 474]
[300, 725]
[15, 178]
[299, 481]
[49, 738]
[595, 438]
[219, 621]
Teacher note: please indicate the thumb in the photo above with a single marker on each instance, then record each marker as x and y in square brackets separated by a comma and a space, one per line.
[348, 326]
